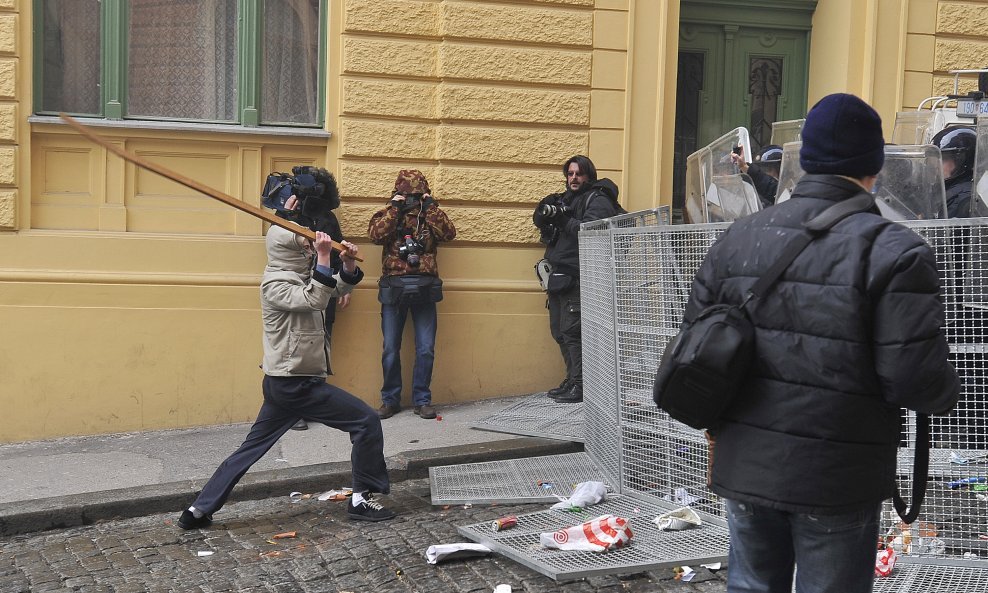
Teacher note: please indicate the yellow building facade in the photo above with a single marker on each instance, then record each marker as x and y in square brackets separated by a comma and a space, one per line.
[128, 302]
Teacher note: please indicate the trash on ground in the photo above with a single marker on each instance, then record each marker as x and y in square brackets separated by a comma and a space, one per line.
[885, 562]
[272, 554]
[285, 535]
[339, 494]
[606, 532]
[503, 523]
[502, 588]
[204, 553]
[677, 520]
[966, 482]
[584, 495]
[711, 566]
[959, 459]
[681, 496]
[454, 552]
[918, 538]
[545, 485]
[684, 573]
[295, 497]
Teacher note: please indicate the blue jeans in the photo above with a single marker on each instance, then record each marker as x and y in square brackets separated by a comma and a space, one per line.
[833, 553]
[392, 325]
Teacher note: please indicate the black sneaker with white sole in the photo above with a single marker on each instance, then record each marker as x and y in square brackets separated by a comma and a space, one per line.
[190, 521]
[368, 510]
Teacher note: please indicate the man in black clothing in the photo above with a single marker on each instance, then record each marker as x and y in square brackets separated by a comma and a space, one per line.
[558, 218]
[763, 172]
[957, 147]
[851, 332]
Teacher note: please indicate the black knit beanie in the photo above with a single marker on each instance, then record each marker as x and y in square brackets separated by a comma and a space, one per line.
[842, 135]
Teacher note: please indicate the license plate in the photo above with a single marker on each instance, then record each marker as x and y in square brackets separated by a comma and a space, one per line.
[970, 108]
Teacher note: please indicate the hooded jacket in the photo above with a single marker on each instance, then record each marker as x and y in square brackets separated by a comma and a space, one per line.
[851, 332]
[293, 302]
[561, 234]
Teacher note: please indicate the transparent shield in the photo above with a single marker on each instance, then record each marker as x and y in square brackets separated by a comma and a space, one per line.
[730, 197]
[715, 190]
[914, 127]
[721, 149]
[787, 131]
[790, 173]
[979, 194]
[694, 210]
[910, 185]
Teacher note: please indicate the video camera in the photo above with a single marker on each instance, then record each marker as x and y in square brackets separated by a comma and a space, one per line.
[314, 189]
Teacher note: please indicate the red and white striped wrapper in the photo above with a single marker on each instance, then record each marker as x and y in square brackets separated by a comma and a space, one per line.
[606, 532]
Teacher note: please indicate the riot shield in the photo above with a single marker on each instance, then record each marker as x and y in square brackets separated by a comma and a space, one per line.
[715, 189]
[910, 185]
[979, 191]
[916, 127]
[787, 131]
[790, 173]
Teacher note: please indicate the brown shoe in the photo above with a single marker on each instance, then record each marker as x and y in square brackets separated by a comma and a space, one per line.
[426, 411]
[386, 411]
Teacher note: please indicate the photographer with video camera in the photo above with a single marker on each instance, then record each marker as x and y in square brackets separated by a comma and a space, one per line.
[410, 229]
[558, 218]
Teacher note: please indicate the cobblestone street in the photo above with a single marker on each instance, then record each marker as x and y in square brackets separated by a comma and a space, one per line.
[330, 554]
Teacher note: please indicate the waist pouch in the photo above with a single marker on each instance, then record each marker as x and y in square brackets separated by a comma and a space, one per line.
[410, 289]
[557, 283]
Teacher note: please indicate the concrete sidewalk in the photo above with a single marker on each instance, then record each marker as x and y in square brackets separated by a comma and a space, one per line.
[80, 480]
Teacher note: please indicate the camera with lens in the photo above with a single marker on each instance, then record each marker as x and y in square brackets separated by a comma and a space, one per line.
[553, 210]
[411, 251]
[315, 192]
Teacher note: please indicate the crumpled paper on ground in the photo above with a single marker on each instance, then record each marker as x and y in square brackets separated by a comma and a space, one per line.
[677, 520]
[454, 551]
[606, 532]
[584, 494]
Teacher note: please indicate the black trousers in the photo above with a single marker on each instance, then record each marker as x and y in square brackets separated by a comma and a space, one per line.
[286, 399]
[564, 323]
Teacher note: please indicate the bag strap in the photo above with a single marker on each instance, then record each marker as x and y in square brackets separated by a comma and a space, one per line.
[921, 467]
[816, 227]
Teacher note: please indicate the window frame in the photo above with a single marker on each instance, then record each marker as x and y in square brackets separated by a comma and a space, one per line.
[113, 64]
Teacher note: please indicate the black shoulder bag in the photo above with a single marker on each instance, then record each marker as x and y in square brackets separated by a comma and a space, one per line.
[706, 363]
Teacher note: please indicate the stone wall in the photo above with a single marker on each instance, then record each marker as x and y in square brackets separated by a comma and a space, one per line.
[8, 114]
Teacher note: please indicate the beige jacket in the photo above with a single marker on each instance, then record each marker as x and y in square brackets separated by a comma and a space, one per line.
[293, 308]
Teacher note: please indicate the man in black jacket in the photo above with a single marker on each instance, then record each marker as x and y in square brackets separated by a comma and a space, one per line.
[558, 218]
[852, 331]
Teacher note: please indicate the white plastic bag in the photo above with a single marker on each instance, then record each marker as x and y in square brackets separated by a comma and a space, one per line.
[597, 535]
[454, 551]
[584, 494]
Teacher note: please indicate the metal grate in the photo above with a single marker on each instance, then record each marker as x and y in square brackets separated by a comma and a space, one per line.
[909, 576]
[538, 416]
[531, 479]
[649, 548]
[650, 270]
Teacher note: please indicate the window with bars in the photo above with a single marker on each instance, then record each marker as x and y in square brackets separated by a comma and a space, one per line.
[245, 62]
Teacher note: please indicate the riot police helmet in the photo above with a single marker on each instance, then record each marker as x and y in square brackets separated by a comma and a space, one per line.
[957, 144]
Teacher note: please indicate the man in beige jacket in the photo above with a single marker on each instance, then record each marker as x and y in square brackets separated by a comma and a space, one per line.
[296, 355]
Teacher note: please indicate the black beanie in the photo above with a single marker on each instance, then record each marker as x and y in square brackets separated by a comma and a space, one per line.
[842, 135]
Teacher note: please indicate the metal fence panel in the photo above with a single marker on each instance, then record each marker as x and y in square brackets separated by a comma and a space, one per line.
[649, 270]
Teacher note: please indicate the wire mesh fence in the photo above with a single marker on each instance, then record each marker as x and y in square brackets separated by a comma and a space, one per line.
[636, 277]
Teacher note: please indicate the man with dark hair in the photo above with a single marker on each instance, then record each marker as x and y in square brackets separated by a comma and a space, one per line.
[558, 218]
[851, 332]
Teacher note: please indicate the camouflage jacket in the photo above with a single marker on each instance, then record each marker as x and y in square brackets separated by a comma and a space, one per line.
[428, 228]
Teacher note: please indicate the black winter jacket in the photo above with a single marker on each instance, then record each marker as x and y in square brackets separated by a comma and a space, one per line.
[561, 233]
[959, 197]
[851, 332]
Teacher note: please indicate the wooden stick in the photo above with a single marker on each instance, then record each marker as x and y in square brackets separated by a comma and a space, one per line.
[193, 184]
